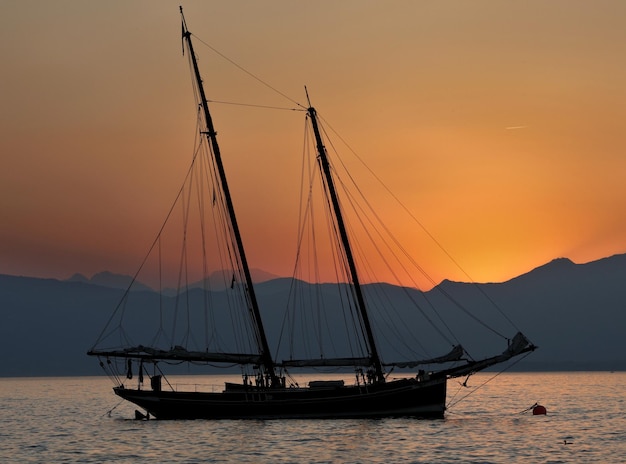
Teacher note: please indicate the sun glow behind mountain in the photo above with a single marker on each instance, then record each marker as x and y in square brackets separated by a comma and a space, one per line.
[495, 124]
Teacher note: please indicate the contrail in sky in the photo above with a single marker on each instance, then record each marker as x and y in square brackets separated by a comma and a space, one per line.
[515, 127]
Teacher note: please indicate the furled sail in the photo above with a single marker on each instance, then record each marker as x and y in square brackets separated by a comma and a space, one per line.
[518, 345]
[178, 353]
[327, 362]
[455, 355]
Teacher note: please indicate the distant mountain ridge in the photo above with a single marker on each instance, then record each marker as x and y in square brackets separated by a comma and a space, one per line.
[217, 280]
[108, 279]
[575, 313]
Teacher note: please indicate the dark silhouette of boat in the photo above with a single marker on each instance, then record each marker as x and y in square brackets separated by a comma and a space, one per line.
[266, 390]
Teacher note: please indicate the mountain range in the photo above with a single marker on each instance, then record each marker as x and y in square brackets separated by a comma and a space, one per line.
[575, 313]
[218, 280]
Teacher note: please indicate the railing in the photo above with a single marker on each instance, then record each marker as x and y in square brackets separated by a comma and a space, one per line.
[198, 387]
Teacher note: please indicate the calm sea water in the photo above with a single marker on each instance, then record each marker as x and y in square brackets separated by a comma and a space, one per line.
[55, 420]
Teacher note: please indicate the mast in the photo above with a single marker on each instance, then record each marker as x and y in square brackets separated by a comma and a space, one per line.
[261, 339]
[323, 160]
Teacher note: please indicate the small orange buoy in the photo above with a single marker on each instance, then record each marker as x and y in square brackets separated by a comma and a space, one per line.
[539, 410]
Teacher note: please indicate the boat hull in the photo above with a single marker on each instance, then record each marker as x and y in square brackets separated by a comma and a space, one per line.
[404, 397]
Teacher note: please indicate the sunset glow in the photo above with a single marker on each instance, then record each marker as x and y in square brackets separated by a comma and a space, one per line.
[496, 124]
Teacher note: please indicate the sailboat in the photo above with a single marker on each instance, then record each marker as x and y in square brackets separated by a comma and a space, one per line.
[266, 389]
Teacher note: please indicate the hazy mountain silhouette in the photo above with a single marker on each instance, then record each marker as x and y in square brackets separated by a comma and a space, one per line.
[217, 280]
[575, 313]
[220, 280]
[108, 279]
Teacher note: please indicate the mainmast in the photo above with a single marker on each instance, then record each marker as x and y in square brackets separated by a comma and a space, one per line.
[261, 339]
[323, 160]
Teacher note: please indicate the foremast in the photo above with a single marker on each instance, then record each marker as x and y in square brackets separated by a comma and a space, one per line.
[360, 300]
[267, 363]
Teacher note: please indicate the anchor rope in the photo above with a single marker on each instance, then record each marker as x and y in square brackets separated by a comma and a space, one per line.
[454, 403]
[528, 409]
[108, 413]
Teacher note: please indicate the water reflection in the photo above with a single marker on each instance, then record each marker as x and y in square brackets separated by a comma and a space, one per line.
[53, 420]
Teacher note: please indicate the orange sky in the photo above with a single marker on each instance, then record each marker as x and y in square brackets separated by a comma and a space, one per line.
[498, 124]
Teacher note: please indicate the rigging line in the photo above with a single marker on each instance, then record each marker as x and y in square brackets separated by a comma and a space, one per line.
[219, 224]
[351, 314]
[423, 227]
[408, 256]
[183, 256]
[124, 297]
[337, 253]
[341, 266]
[160, 286]
[333, 211]
[161, 331]
[202, 188]
[487, 381]
[184, 265]
[207, 286]
[356, 208]
[230, 255]
[268, 107]
[208, 183]
[359, 213]
[248, 72]
[288, 321]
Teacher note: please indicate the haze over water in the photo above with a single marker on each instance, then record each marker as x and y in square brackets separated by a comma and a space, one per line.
[66, 420]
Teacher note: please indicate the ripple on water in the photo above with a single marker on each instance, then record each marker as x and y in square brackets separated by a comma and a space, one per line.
[65, 420]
